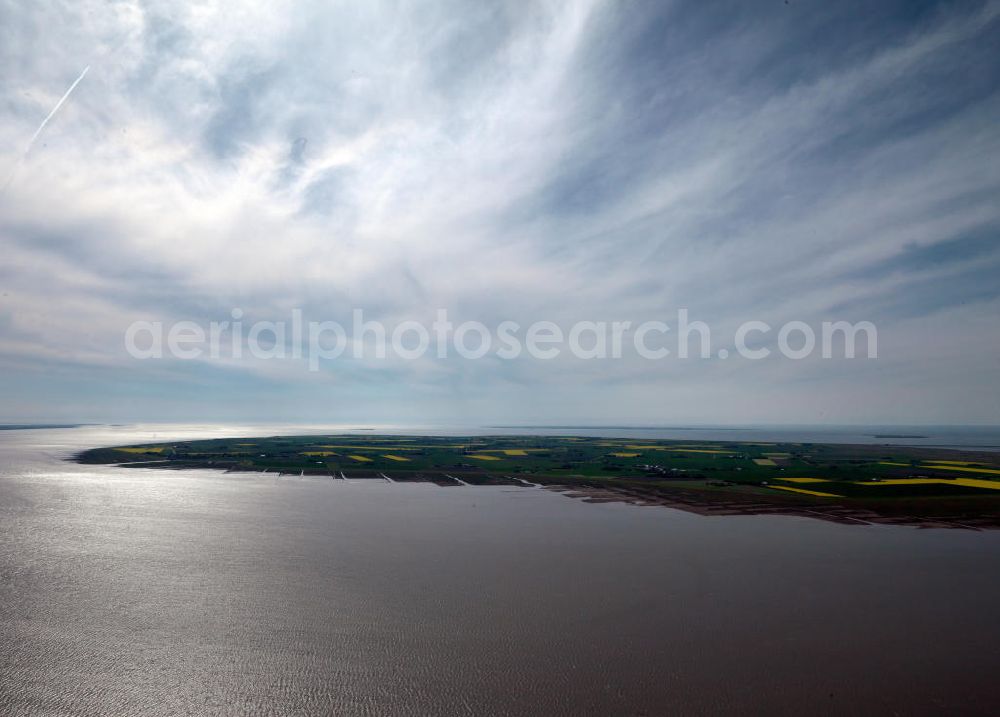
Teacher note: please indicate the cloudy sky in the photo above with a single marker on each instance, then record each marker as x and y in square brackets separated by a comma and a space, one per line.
[578, 160]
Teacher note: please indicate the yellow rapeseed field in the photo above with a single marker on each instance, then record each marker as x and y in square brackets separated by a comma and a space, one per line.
[513, 451]
[967, 482]
[803, 490]
[361, 459]
[966, 469]
[395, 458]
[375, 448]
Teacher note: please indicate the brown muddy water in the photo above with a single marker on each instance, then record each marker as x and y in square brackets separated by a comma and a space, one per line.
[140, 592]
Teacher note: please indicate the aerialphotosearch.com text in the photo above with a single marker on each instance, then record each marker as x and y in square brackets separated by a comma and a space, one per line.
[317, 342]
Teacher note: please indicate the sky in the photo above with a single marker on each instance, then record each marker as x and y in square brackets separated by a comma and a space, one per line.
[505, 161]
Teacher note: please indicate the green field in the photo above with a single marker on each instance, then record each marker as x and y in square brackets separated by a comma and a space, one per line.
[819, 474]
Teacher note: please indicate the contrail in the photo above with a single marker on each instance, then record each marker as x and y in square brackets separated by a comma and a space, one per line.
[49, 116]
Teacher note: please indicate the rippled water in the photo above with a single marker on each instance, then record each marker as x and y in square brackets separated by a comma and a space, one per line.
[129, 591]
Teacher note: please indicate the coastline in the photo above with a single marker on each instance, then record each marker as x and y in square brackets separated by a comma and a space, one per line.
[919, 486]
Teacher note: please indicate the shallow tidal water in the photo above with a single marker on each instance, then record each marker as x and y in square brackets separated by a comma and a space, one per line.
[142, 592]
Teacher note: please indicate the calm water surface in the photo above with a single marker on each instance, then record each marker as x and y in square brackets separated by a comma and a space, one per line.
[138, 592]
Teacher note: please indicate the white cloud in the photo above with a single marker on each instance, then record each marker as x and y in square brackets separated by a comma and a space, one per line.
[502, 163]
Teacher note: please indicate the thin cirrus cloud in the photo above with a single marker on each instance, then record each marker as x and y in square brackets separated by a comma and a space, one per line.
[567, 161]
